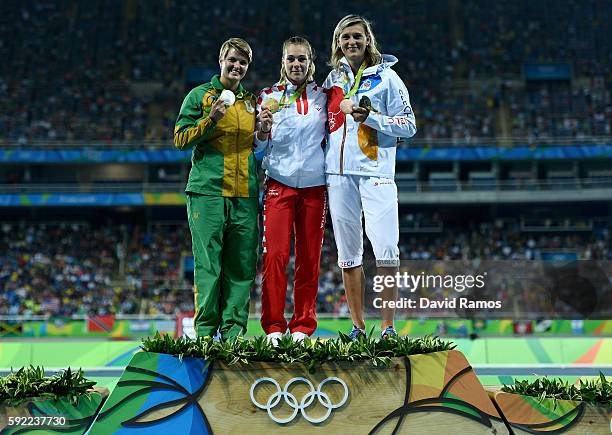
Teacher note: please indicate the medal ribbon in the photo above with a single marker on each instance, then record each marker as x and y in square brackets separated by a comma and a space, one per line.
[353, 90]
[284, 102]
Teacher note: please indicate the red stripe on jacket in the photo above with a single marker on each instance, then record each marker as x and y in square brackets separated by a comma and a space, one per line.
[305, 102]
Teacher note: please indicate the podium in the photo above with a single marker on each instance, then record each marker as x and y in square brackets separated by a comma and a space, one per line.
[418, 394]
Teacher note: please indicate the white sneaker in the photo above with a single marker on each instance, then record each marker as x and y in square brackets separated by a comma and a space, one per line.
[274, 337]
[298, 337]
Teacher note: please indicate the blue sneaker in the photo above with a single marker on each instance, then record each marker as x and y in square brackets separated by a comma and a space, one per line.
[389, 332]
[357, 334]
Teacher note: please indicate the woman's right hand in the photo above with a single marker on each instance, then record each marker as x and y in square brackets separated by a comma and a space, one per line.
[217, 111]
[265, 120]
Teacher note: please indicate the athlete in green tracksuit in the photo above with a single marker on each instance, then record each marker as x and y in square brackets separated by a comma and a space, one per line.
[222, 203]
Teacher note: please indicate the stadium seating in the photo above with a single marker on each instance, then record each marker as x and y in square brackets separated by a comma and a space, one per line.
[65, 269]
[116, 74]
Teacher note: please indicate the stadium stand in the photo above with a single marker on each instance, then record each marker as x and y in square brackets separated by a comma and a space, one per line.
[63, 269]
[115, 73]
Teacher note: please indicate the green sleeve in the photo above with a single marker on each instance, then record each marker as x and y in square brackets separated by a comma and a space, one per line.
[193, 124]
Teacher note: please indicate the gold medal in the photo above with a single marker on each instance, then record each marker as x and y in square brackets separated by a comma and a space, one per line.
[272, 104]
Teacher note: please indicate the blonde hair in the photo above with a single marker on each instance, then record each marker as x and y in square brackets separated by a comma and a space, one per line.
[298, 40]
[240, 45]
[372, 55]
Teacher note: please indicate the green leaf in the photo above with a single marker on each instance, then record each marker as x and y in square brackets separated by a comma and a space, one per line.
[596, 391]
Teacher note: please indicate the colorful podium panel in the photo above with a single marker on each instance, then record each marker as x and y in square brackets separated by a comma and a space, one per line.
[46, 416]
[420, 394]
[532, 415]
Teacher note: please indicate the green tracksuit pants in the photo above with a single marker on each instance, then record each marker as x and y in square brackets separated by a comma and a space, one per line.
[224, 234]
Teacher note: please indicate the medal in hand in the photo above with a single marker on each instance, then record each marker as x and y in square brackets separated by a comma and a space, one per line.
[272, 104]
[365, 103]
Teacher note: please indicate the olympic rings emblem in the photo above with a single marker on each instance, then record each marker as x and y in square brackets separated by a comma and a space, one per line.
[292, 401]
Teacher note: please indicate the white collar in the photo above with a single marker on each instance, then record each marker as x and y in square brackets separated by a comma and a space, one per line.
[388, 61]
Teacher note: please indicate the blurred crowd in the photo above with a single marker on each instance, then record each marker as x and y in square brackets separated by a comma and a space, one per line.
[556, 110]
[82, 268]
[116, 72]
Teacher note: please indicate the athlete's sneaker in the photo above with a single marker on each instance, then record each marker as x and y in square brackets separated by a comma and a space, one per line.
[298, 337]
[274, 338]
[389, 332]
[357, 334]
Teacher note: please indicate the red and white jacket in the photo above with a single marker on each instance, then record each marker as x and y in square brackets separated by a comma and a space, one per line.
[367, 148]
[294, 154]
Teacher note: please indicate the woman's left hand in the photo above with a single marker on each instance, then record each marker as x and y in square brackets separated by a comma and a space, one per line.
[360, 114]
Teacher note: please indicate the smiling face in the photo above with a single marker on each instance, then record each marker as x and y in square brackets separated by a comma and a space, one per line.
[233, 67]
[353, 41]
[296, 63]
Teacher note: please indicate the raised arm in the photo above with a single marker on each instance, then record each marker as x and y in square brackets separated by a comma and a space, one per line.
[194, 123]
[262, 135]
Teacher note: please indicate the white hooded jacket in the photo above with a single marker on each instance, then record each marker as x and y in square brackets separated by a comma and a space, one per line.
[294, 154]
[367, 148]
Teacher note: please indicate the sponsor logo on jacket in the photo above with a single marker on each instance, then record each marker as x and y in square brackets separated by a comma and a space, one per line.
[407, 109]
[382, 182]
[370, 83]
[395, 120]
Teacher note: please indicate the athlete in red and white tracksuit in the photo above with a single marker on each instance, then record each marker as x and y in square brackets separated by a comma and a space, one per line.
[294, 202]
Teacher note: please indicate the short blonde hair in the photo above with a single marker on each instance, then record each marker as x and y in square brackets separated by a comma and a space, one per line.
[240, 45]
[372, 55]
[298, 40]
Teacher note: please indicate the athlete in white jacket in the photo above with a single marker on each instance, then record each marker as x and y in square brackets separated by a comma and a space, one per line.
[368, 110]
[367, 148]
[293, 151]
[293, 114]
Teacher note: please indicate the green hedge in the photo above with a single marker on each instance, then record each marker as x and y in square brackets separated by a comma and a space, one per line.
[30, 382]
[309, 352]
[596, 391]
